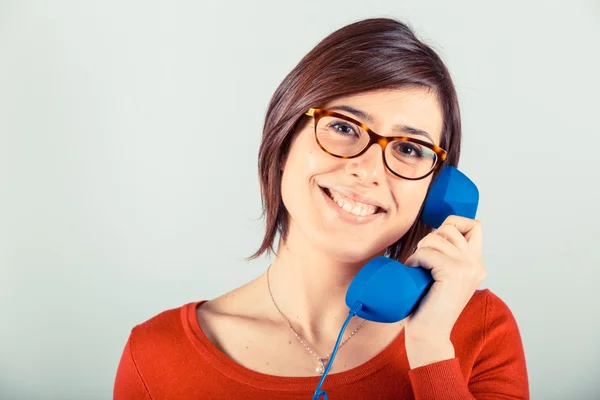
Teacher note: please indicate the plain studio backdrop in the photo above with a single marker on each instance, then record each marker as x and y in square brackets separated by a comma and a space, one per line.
[129, 136]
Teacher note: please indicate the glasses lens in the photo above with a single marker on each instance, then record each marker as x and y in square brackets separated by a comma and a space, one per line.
[408, 159]
[341, 137]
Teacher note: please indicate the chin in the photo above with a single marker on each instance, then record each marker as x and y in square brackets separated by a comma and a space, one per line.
[353, 253]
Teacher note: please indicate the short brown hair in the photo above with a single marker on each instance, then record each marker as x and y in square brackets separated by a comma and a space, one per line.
[372, 54]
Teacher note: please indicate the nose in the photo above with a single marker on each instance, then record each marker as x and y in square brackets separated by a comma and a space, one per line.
[368, 168]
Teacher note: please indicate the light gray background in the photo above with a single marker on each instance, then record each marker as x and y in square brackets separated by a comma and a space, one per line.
[115, 204]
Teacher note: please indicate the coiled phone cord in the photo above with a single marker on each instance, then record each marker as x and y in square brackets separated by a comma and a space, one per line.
[352, 313]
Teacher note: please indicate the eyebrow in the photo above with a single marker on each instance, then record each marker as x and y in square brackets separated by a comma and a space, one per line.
[396, 128]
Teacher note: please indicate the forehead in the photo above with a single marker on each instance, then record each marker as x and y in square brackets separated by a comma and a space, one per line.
[416, 107]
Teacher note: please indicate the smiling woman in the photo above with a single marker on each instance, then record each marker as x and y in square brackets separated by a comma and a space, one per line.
[364, 177]
[353, 138]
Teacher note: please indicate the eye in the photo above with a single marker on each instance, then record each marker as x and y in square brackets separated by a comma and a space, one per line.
[342, 128]
[407, 149]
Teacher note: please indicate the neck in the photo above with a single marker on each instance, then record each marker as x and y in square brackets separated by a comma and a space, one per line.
[309, 287]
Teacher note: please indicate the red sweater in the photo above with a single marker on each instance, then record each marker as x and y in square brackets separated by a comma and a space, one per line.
[168, 357]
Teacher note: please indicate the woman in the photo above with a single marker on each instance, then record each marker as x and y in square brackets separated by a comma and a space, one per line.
[331, 208]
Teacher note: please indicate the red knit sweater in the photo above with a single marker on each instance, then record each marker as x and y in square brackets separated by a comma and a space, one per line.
[168, 357]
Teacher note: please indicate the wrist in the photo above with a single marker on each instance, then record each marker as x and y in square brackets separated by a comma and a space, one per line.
[425, 351]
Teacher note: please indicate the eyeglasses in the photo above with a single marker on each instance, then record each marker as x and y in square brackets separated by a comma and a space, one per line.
[344, 137]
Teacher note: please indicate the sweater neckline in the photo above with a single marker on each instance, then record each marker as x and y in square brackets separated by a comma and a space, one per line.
[239, 373]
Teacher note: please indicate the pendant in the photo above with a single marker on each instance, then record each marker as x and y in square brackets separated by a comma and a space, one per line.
[322, 365]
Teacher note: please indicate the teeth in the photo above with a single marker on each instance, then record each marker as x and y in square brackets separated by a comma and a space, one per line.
[347, 207]
[351, 206]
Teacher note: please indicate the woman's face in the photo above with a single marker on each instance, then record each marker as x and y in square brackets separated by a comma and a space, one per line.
[314, 182]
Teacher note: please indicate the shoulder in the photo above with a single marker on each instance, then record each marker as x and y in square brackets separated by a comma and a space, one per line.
[163, 330]
[486, 302]
[489, 314]
[496, 309]
[163, 321]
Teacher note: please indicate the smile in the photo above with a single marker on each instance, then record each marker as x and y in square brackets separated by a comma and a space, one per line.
[351, 206]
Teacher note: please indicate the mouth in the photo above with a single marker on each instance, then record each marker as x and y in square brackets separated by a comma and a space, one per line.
[351, 206]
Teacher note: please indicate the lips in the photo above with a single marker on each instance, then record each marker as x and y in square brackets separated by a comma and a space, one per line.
[350, 205]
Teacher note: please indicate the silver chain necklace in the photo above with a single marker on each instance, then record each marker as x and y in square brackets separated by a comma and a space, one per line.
[322, 361]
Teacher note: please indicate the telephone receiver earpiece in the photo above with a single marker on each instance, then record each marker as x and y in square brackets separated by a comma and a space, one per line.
[390, 291]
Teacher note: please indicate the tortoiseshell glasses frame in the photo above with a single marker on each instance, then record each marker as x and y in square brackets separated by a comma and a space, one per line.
[374, 138]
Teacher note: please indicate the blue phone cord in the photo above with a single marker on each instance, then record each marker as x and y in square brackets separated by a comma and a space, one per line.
[318, 392]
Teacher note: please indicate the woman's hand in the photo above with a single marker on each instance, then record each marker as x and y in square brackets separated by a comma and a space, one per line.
[453, 254]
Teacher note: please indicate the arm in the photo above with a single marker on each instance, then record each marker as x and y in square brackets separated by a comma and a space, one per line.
[129, 385]
[499, 370]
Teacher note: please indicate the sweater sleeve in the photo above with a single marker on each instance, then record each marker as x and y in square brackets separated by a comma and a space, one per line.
[499, 371]
[129, 385]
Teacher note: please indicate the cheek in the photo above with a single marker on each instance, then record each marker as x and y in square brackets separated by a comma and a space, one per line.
[302, 163]
[306, 159]
[410, 196]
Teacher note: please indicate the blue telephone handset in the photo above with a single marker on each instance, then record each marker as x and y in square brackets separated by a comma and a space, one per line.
[385, 290]
[390, 291]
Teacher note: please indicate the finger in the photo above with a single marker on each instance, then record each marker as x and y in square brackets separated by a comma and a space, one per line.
[427, 258]
[471, 229]
[464, 225]
[444, 268]
[440, 243]
[453, 236]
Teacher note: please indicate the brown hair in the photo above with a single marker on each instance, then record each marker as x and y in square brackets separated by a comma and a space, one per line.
[367, 55]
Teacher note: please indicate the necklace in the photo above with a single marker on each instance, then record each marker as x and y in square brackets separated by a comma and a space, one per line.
[322, 361]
